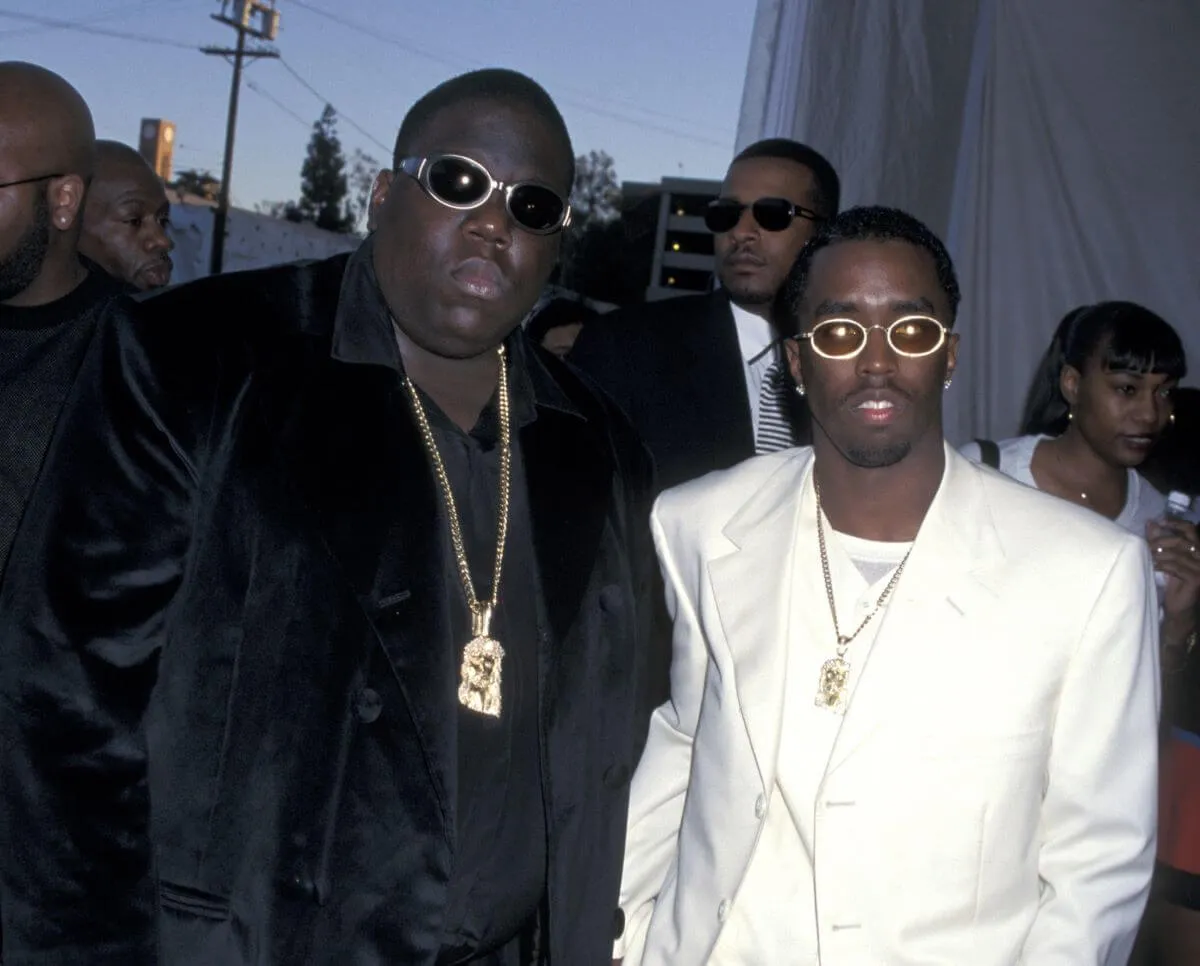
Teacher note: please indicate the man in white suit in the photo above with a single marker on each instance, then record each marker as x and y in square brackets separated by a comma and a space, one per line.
[913, 703]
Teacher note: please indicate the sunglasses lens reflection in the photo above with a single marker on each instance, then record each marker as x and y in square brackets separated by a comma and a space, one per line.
[457, 182]
[722, 216]
[536, 208]
[916, 336]
[773, 214]
[837, 339]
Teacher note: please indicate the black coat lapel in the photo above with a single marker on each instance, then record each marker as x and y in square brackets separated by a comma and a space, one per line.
[709, 384]
[348, 442]
[727, 379]
[569, 474]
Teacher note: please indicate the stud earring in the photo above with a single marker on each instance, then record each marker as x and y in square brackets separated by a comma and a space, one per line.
[1172, 419]
[946, 384]
[1070, 415]
[800, 390]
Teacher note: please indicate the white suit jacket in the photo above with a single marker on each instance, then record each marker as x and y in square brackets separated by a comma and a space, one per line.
[991, 796]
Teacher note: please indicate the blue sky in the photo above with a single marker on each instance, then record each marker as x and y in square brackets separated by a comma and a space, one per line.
[656, 83]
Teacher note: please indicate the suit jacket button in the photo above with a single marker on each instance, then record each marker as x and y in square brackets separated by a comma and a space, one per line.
[297, 884]
[368, 705]
[615, 776]
[618, 924]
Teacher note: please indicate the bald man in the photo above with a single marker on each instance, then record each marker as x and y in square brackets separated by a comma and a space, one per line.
[49, 300]
[125, 219]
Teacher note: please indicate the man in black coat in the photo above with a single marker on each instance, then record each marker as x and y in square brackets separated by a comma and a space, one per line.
[703, 376]
[323, 647]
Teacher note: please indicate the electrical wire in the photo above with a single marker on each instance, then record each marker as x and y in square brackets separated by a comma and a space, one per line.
[444, 59]
[325, 100]
[267, 95]
[116, 13]
[612, 112]
[85, 28]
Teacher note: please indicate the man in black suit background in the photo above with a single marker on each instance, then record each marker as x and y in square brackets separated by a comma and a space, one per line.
[703, 377]
[320, 639]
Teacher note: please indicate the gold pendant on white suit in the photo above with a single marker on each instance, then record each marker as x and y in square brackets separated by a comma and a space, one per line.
[833, 685]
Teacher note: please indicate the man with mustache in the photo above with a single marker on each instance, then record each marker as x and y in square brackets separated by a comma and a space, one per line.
[913, 712]
[126, 217]
[702, 376]
[49, 299]
[327, 652]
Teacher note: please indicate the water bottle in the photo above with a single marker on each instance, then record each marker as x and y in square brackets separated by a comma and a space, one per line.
[1178, 506]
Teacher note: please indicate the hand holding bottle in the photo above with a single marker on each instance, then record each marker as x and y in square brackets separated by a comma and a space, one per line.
[1175, 545]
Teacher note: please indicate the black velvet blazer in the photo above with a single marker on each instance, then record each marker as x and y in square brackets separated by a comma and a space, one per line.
[229, 579]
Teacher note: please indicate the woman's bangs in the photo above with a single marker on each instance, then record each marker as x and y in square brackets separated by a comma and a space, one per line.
[1144, 344]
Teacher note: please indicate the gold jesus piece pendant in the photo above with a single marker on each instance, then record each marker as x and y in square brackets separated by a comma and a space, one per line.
[831, 686]
[479, 677]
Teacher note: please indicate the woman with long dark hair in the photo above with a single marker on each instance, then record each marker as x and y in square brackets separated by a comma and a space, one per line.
[1102, 397]
[1100, 400]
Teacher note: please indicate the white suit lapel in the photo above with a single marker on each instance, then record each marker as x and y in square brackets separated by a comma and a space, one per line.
[944, 591]
[752, 589]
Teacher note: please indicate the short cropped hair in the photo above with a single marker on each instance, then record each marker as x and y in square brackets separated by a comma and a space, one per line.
[491, 84]
[828, 192]
[873, 223]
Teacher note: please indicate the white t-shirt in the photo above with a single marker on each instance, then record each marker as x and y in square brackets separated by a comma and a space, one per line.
[755, 338]
[774, 916]
[1143, 502]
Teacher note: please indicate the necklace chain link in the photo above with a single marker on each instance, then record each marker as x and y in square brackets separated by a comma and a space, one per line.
[478, 608]
[843, 639]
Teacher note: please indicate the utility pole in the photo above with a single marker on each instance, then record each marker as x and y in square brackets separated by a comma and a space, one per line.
[266, 28]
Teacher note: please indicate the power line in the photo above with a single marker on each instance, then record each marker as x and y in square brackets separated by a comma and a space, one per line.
[325, 100]
[84, 28]
[644, 125]
[456, 62]
[266, 95]
[612, 112]
[115, 14]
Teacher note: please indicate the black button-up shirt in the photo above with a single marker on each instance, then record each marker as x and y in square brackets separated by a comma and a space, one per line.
[498, 875]
[500, 853]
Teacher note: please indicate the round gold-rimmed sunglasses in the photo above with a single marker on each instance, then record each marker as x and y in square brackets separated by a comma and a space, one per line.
[912, 336]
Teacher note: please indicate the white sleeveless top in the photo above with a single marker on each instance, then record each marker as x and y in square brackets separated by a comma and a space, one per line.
[1142, 501]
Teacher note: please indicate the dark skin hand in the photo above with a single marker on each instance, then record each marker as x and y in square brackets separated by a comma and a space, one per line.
[1176, 549]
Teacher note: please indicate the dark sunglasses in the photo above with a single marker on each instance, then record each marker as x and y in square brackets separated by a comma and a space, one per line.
[40, 177]
[772, 214]
[462, 184]
[913, 336]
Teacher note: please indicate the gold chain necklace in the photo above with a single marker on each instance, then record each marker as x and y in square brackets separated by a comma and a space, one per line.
[479, 677]
[835, 673]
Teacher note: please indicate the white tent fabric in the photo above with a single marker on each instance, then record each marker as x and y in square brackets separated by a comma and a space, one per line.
[1054, 145]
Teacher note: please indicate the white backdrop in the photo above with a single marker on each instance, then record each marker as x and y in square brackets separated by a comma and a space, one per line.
[1054, 145]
